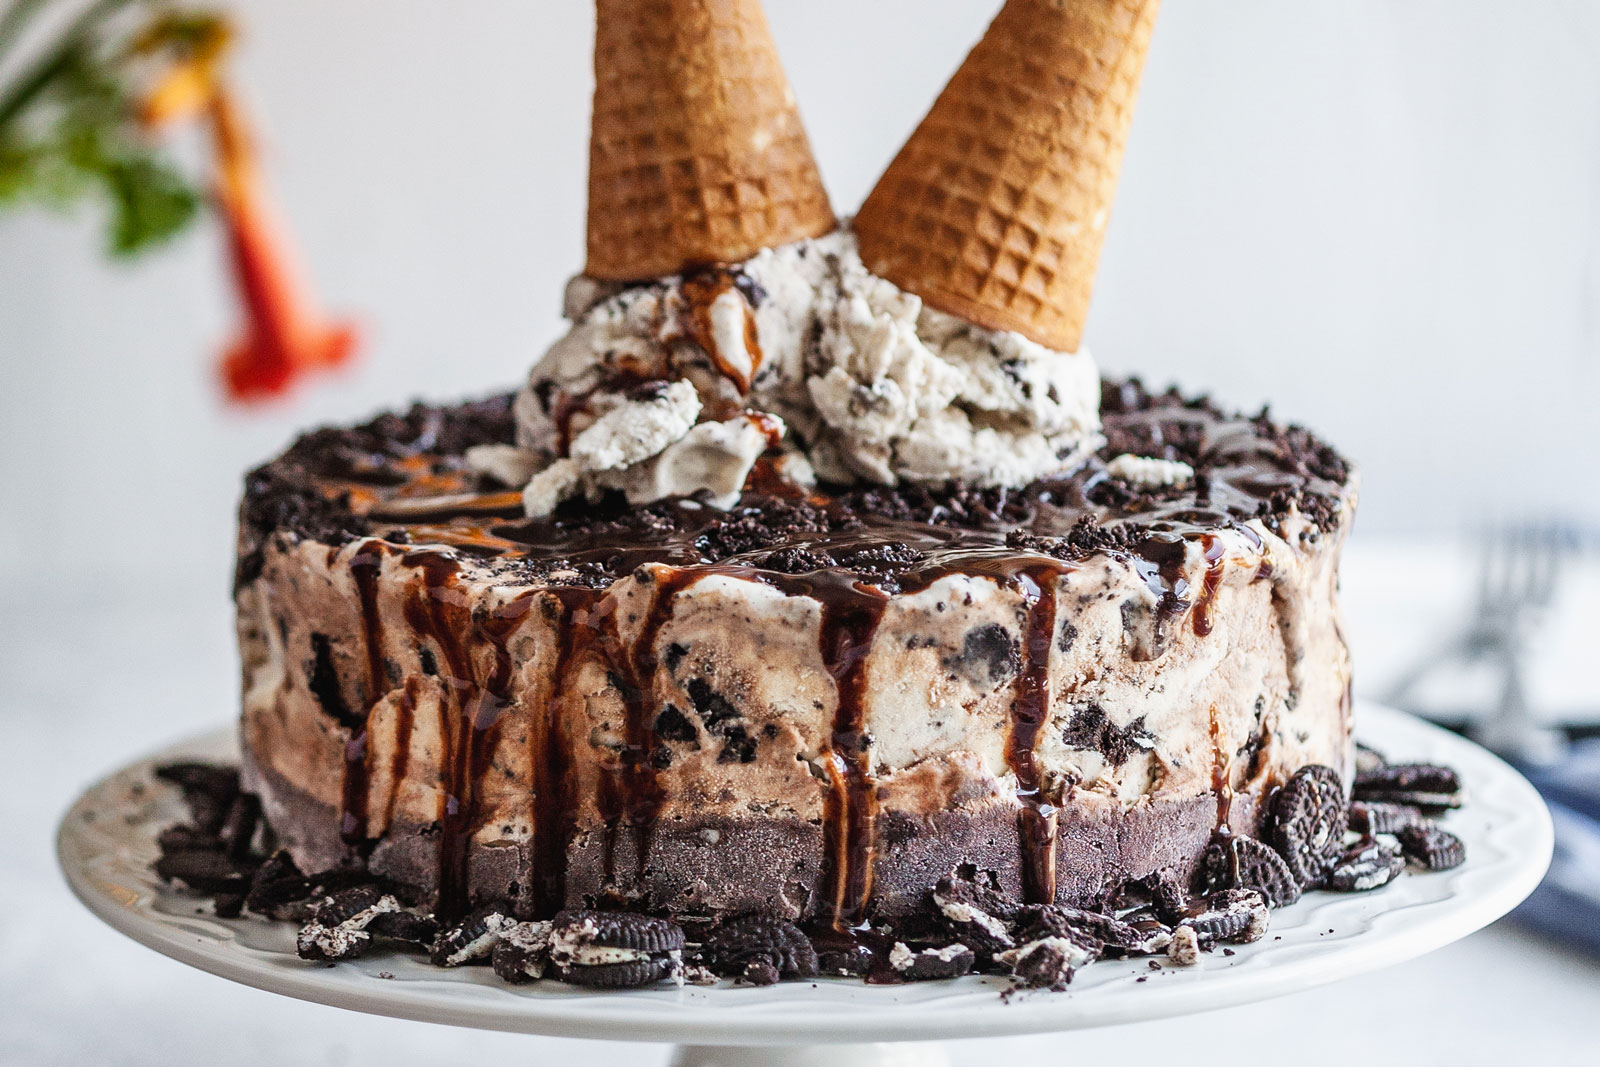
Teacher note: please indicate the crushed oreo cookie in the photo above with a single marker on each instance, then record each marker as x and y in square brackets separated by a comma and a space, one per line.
[324, 489]
[225, 851]
[976, 913]
[522, 952]
[1050, 962]
[1239, 915]
[928, 964]
[735, 948]
[1432, 848]
[473, 937]
[1367, 864]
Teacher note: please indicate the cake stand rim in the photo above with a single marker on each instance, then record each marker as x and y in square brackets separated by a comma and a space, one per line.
[1507, 830]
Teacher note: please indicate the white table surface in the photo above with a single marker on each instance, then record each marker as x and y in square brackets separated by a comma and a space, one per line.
[95, 672]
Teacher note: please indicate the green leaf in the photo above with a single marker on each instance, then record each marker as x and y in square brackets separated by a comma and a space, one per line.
[152, 203]
[67, 134]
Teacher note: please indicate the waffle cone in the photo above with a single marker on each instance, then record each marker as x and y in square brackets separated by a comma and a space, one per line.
[697, 154]
[996, 208]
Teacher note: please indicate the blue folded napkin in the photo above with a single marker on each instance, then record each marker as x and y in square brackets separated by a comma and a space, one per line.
[1566, 906]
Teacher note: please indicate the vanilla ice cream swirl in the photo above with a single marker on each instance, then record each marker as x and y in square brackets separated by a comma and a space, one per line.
[800, 355]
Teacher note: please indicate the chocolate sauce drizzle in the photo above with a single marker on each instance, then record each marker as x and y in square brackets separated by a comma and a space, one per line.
[851, 614]
[365, 567]
[1030, 708]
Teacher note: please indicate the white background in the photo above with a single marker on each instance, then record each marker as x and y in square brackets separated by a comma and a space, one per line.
[1380, 214]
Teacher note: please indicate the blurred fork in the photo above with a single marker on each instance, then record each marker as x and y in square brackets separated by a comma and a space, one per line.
[1518, 574]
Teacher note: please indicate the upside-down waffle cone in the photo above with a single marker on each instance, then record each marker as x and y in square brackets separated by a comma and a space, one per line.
[996, 208]
[697, 154]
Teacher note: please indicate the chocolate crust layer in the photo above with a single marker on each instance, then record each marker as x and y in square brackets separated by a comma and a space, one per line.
[712, 865]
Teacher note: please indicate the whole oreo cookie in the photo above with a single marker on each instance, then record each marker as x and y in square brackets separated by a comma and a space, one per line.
[1259, 866]
[615, 950]
[1365, 865]
[1420, 785]
[1309, 817]
[731, 948]
[1433, 848]
[1379, 817]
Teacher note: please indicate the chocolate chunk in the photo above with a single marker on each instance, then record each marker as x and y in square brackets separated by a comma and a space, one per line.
[1309, 820]
[205, 871]
[522, 953]
[1365, 865]
[1431, 847]
[733, 946]
[1421, 785]
[927, 964]
[1377, 817]
[472, 938]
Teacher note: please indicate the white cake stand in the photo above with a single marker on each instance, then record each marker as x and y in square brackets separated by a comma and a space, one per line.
[106, 844]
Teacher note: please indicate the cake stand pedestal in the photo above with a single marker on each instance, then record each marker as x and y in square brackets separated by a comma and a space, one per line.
[107, 842]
